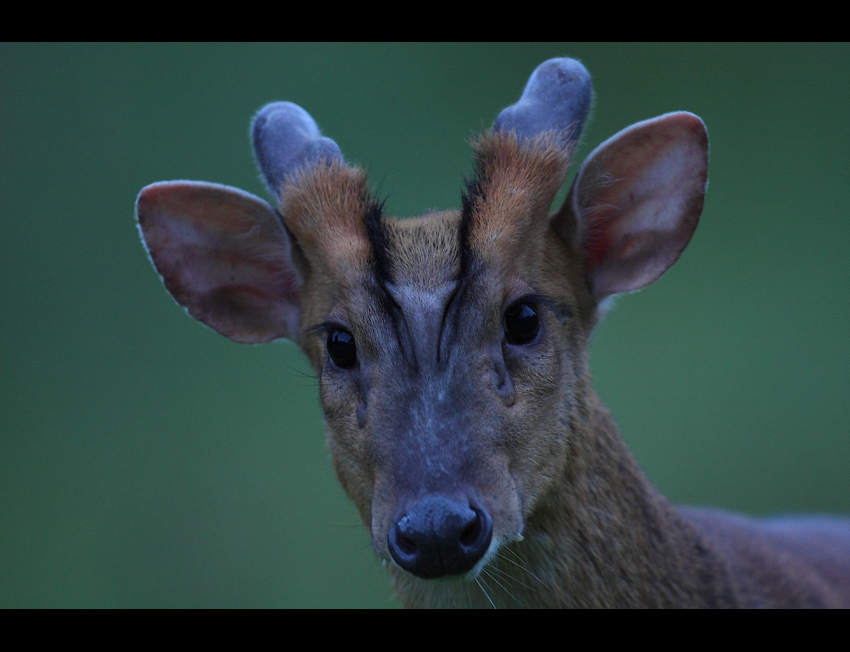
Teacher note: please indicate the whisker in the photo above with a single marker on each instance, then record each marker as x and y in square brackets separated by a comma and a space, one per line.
[519, 563]
[481, 585]
[507, 576]
[487, 572]
[299, 372]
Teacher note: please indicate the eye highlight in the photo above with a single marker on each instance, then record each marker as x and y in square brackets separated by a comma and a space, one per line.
[521, 322]
[341, 348]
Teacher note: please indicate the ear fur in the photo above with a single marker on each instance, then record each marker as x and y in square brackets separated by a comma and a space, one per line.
[636, 202]
[223, 255]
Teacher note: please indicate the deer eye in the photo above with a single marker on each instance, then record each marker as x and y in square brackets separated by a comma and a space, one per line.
[521, 322]
[342, 349]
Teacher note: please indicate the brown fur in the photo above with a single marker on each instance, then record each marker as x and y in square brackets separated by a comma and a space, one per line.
[579, 524]
[493, 451]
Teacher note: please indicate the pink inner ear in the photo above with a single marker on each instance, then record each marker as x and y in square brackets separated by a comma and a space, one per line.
[638, 198]
[223, 255]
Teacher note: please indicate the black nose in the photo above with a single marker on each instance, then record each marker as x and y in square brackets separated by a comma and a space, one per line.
[439, 537]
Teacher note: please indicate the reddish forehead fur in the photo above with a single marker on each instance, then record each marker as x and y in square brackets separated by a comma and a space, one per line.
[325, 206]
[518, 182]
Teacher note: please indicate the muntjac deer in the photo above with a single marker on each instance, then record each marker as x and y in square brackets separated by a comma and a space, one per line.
[451, 352]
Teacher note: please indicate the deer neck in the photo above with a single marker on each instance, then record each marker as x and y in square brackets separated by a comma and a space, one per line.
[603, 537]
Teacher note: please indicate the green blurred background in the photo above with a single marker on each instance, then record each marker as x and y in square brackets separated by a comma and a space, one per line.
[147, 462]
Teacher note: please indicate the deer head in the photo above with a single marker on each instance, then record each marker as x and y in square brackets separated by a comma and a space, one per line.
[450, 348]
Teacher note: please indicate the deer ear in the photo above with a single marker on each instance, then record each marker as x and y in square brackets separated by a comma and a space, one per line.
[224, 256]
[637, 200]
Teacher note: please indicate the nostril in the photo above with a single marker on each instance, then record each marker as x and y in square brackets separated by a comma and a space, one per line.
[471, 533]
[402, 543]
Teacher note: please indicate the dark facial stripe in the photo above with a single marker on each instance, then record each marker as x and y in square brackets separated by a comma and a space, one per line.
[377, 234]
[376, 231]
[472, 196]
